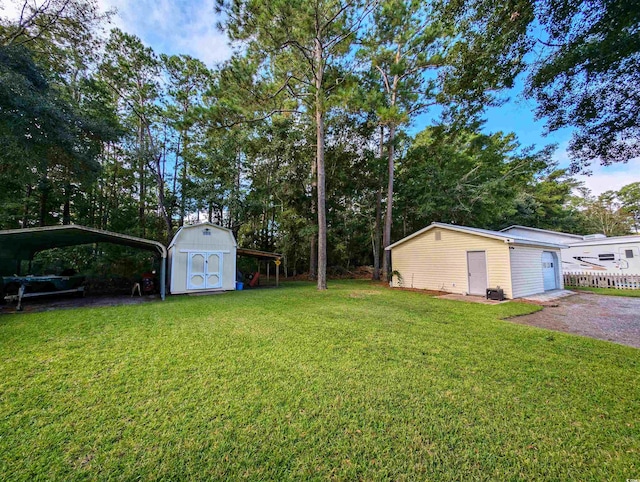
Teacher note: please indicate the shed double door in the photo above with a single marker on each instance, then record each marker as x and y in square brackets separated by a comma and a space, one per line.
[204, 270]
[477, 266]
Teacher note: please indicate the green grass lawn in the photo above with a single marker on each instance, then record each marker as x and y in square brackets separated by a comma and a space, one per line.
[360, 382]
[608, 291]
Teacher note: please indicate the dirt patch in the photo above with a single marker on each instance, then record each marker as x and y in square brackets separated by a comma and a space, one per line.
[337, 273]
[49, 303]
[610, 318]
[471, 299]
[417, 290]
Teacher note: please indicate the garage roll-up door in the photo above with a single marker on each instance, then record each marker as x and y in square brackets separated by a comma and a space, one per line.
[549, 271]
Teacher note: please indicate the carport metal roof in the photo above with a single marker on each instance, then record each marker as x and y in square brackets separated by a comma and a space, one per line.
[17, 244]
[24, 243]
[254, 253]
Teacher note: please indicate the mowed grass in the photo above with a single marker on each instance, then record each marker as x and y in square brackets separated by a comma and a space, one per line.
[359, 382]
[609, 291]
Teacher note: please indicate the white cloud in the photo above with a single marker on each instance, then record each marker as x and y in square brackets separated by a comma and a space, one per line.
[10, 9]
[603, 178]
[168, 26]
[606, 178]
[173, 27]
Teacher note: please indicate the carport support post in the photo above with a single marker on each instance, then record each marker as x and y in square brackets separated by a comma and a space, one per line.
[163, 277]
[277, 271]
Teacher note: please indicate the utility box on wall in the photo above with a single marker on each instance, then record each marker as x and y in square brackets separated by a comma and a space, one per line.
[496, 294]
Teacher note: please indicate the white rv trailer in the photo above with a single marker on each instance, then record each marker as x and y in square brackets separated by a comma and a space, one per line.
[615, 255]
[593, 253]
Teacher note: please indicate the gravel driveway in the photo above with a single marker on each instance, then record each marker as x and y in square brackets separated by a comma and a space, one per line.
[611, 318]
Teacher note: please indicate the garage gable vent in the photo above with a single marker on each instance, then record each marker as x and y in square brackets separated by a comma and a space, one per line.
[206, 232]
[438, 235]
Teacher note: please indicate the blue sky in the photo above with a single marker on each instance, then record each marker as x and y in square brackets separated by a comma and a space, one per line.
[189, 27]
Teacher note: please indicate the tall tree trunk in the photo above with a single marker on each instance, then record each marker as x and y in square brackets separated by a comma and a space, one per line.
[313, 244]
[44, 199]
[66, 209]
[386, 260]
[113, 204]
[377, 235]
[25, 212]
[313, 256]
[322, 219]
[159, 179]
[183, 184]
[234, 205]
[161, 200]
[43, 208]
[174, 187]
[378, 222]
[91, 217]
[141, 204]
[272, 223]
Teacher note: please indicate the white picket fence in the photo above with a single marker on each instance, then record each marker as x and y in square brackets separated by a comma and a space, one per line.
[591, 280]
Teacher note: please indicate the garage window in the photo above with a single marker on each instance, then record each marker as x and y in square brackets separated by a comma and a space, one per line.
[628, 253]
[607, 257]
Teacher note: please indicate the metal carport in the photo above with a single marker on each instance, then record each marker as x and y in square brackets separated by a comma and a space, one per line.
[21, 244]
[263, 256]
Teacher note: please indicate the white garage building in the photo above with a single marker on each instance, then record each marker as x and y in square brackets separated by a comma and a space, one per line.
[202, 257]
[459, 259]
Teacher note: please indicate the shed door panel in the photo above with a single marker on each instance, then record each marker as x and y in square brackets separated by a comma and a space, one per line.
[477, 263]
[549, 271]
[196, 273]
[204, 271]
[214, 270]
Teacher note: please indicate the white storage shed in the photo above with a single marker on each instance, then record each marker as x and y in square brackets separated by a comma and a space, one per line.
[459, 259]
[202, 257]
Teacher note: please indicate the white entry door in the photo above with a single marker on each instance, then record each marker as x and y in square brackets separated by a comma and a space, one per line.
[477, 265]
[204, 271]
[549, 271]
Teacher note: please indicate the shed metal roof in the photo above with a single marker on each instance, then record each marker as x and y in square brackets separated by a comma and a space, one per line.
[200, 225]
[480, 232]
[538, 230]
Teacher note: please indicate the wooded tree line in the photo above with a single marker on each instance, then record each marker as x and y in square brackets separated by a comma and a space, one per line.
[301, 143]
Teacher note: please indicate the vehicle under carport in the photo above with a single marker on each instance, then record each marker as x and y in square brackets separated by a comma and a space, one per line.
[18, 245]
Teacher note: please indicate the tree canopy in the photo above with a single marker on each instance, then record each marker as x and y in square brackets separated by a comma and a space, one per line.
[588, 77]
[304, 141]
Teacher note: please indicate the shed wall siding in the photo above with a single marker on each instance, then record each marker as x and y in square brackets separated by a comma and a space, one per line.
[425, 263]
[192, 239]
